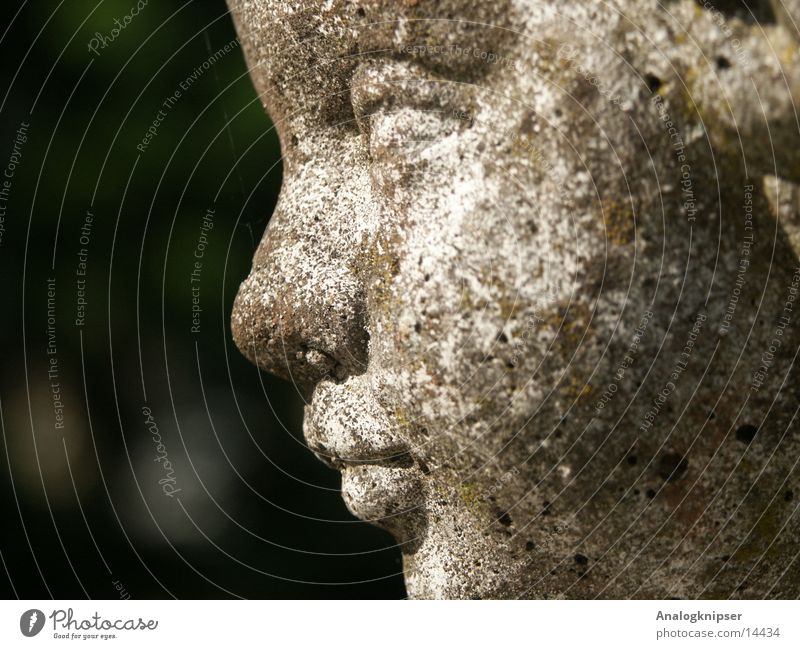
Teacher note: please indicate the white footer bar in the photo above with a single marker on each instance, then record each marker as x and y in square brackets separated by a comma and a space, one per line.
[404, 625]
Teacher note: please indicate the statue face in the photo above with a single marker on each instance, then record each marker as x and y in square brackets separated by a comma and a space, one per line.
[464, 276]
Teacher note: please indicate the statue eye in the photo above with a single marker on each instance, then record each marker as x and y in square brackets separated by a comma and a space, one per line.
[393, 87]
[406, 132]
[411, 150]
[409, 123]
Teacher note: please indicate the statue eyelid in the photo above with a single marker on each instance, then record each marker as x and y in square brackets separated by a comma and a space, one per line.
[392, 86]
[372, 97]
[416, 123]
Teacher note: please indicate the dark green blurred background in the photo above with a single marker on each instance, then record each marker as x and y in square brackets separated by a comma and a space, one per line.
[83, 511]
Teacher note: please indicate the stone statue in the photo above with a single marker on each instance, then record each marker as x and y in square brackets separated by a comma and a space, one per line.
[534, 267]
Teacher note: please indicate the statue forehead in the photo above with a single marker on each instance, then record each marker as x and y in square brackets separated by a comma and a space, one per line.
[298, 48]
[330, 20]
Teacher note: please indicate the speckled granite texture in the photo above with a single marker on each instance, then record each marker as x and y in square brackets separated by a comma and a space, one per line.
[535, 268]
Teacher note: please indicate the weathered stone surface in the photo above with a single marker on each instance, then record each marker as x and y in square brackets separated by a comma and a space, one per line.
[535, 265]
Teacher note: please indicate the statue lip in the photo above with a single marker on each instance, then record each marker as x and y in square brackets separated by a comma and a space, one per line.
[381, 480]
[398, 460]
[345, 427]
[390, 497]
[348, 429]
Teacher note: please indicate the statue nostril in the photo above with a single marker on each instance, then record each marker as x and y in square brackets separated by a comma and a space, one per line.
[293, 329]
[316, 363]
[326, 366]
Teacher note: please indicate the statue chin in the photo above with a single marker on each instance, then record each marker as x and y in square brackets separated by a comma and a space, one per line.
[390, 497]
[534, 267]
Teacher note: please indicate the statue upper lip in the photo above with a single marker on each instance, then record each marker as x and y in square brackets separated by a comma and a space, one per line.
[345, 447]
[345, 426]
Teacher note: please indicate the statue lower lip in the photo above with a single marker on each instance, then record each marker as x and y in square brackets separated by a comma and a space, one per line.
[390, 496]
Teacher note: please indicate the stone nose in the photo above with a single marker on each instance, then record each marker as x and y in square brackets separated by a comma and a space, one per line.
[300, 314]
